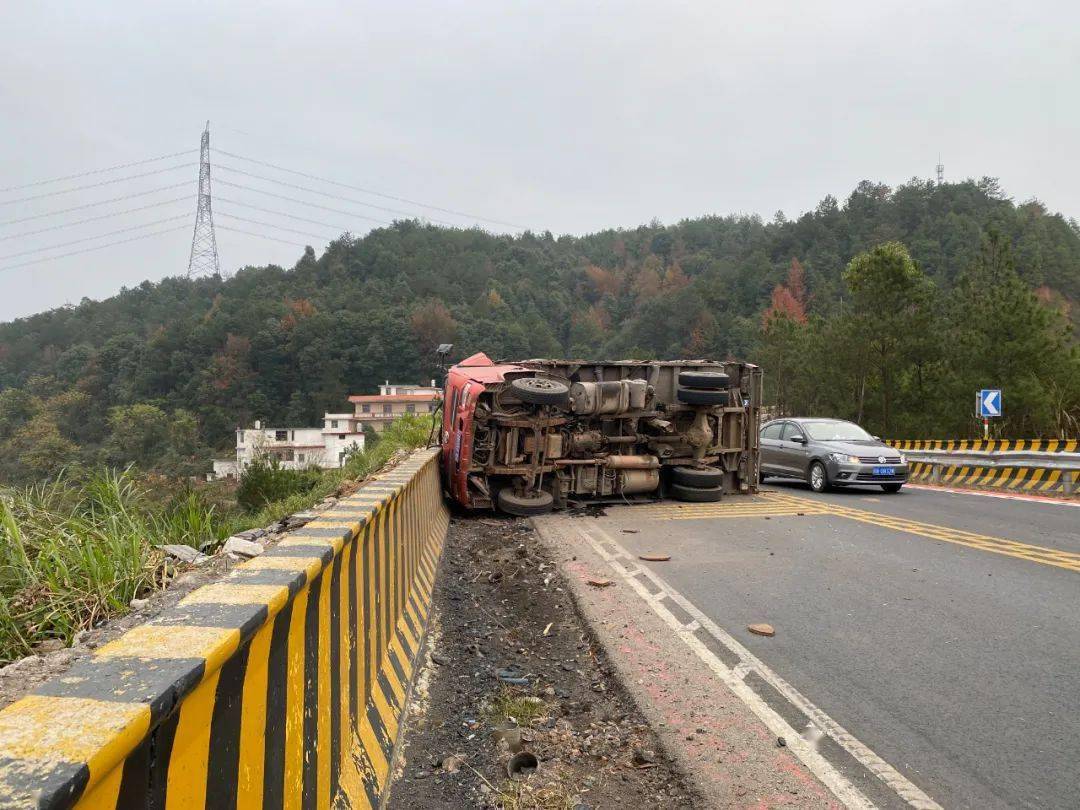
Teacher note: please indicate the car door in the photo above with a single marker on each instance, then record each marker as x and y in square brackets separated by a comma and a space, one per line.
[770, 448]
[795, 454]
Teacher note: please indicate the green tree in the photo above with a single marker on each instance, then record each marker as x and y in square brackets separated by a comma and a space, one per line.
[1001, 336]
[890, 305]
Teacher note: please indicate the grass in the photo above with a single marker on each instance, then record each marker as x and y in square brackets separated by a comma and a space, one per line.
[76, 552]
[510, 704]
[524, 796]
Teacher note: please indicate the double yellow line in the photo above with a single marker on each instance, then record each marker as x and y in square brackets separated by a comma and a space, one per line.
[783, 505]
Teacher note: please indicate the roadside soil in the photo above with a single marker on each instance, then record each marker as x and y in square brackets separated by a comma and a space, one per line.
[508, 656]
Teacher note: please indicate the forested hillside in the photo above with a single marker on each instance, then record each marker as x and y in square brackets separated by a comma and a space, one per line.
[161, 373]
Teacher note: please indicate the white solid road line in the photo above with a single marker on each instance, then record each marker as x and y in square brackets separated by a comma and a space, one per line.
[830, 776]
[1005, 496]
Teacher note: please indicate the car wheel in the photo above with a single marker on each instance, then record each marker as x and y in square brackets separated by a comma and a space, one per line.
[891, 488]
[541, 391]
[701, 396]
[714, 380]
[819, 479]
[696, 494]
[533, 503]
[697, 476]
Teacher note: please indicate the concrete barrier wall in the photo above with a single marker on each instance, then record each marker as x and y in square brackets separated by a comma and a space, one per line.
[279, 686]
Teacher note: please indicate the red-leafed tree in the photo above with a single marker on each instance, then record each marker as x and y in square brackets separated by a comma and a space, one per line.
[789, 299]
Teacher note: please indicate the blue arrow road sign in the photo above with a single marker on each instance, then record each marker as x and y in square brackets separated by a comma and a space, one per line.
[990, 402]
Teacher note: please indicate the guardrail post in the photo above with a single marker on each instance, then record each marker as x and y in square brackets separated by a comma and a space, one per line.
[935, 473]
[1069, 478]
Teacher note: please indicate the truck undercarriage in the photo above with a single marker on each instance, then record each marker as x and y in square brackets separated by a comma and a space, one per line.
[544, 434]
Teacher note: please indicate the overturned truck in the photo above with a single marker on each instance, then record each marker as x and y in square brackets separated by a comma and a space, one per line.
[536, 435]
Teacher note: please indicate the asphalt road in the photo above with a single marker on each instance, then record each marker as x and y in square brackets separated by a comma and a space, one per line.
[923, 622]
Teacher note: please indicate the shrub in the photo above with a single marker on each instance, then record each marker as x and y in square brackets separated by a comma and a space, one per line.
[265, 481]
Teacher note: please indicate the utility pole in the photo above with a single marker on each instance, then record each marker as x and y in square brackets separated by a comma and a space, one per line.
[204, 255]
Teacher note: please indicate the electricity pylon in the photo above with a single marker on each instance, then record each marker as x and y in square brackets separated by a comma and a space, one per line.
[204, 255]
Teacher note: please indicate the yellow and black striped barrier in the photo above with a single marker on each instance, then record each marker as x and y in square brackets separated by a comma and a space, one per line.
[280, 686]
[988, 445]
[1027, 479]
[1029, 465]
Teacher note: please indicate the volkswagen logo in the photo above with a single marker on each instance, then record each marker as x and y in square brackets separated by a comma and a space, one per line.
[881, 459]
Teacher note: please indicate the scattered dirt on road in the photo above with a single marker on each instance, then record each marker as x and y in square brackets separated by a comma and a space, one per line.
[510, 668]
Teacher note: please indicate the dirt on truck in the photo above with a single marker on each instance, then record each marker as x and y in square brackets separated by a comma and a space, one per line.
[535, 435]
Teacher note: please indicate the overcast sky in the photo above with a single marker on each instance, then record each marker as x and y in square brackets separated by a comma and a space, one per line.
[549, 115]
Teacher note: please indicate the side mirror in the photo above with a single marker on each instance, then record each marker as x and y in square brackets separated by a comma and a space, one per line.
[799, 439]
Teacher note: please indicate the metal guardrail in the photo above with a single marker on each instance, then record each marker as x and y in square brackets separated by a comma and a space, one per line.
[1066, 464]
[1006, 458]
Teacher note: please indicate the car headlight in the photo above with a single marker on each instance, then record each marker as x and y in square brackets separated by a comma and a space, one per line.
[844, 458]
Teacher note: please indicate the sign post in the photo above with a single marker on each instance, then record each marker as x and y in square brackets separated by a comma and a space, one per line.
[989, 406]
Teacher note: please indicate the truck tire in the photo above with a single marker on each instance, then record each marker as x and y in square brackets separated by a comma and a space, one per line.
[701, 396]
[700, 477]
[713, 380]
[541, 391]
[696, 494]
[535, 503]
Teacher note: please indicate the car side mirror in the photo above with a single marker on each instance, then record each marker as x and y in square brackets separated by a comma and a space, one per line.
[878, 438]
[799, 439]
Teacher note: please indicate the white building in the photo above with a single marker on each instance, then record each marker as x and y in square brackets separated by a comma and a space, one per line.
[296, 448]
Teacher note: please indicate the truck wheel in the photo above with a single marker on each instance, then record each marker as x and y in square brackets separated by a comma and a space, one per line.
[541, 391]
[702, 396]
[713, 380]
[696, 494]
[535, 503]
[700, 477]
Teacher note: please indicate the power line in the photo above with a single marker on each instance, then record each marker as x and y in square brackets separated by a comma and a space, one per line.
[97, 171]
[95, 204]
[96, 247]
[409, 214]
[92, 238]
[340, 228]
[93, 219]
[369, 191]
[98, 185]
[260, 236]
[276, 227]
[221, 182]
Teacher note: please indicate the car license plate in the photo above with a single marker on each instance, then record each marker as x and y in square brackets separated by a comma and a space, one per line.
[883, 471]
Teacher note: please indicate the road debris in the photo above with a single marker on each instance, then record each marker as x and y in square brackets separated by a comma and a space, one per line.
[599, 582]
[188, 554]
[654, 557]
[453, 763]
[241, 547]
[547, 630]
[761, 629]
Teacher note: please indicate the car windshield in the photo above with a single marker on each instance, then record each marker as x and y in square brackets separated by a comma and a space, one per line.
[836, 431]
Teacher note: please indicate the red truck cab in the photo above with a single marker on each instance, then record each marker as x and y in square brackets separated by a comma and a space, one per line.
[465, 382]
